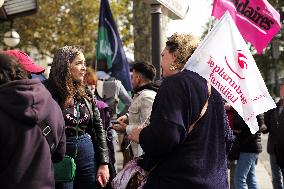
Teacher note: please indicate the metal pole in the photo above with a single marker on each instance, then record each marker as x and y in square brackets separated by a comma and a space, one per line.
[156, 11]
[275, 55]
[276, 77]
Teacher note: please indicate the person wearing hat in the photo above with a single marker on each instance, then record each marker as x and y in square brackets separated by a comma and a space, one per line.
[26, 61]
[25, 156]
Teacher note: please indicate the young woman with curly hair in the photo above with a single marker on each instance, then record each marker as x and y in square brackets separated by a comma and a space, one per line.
[85, 135]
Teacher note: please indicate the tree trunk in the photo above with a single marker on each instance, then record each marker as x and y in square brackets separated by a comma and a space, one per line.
[142, 31]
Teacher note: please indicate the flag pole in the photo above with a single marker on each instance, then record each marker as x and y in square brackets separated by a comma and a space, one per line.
[210, 24]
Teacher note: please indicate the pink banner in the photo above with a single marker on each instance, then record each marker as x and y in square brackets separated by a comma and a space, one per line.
[256, 20]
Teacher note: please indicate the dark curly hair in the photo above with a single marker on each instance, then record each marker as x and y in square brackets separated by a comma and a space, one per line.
[60, 76]
[11, 69]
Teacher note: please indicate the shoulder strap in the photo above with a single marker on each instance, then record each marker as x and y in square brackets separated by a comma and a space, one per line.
[100, 88]
[203, 110]
[48, 134]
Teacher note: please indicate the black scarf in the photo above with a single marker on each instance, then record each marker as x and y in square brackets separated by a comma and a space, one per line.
[150, 86]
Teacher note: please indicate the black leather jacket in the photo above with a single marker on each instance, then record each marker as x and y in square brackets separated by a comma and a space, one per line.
[249, 143]
[97, 131]
[95, 128]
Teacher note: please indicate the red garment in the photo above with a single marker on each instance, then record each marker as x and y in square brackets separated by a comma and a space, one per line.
[230, 118]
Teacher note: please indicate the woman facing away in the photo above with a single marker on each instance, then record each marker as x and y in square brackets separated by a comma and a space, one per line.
[25, 157]
[85, 136]
[178, 160]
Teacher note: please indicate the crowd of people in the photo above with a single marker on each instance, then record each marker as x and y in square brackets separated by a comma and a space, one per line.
[180, 132]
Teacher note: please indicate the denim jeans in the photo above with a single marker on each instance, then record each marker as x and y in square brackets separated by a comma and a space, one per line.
[245, 171]
[277, 177]
[85, 176]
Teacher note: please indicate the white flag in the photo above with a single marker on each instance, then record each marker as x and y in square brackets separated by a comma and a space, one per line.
[224, 60]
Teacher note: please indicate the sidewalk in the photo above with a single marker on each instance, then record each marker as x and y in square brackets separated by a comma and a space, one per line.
[263, 171]
[263, 177]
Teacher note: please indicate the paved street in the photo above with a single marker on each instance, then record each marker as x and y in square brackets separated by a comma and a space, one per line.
[264, 157]
[263, 169]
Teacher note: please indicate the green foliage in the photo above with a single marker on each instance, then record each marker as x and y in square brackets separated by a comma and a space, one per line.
[125, 20]
[68, 22]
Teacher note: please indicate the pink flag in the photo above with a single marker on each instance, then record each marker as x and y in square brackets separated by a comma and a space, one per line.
[256, 20]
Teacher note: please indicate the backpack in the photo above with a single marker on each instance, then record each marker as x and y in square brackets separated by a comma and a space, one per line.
[108, 92]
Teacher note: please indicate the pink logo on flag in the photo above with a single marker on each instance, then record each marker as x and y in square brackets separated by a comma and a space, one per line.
[242, 59]
[257, 21]
[241, 62]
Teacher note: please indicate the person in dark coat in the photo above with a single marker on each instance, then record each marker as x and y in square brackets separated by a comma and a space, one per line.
[250, 147]
[175, 159]
[25, 158]
[280, 151]
[274, 121]
[231, 155]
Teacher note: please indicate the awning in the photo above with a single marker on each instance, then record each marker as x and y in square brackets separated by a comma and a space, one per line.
[17, 8]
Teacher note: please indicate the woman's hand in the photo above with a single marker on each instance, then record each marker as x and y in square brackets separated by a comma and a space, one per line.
[134, 135]
[103, 175]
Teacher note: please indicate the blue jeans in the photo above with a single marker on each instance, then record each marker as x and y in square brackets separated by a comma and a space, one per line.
[245, 171]
[86, 167]
[277, 177]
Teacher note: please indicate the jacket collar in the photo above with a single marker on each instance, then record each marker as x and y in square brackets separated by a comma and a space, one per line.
[150, 86]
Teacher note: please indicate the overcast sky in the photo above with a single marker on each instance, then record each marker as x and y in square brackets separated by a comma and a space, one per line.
[198, 15]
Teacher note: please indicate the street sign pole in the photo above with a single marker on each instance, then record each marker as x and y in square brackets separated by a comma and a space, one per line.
[156, 11]
[175, 9]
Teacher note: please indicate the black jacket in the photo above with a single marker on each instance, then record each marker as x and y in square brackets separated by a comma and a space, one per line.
[275, 126]
[95, 127]
[249, 143]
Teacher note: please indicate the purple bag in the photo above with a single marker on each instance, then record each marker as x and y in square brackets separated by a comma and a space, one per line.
[123, 177]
